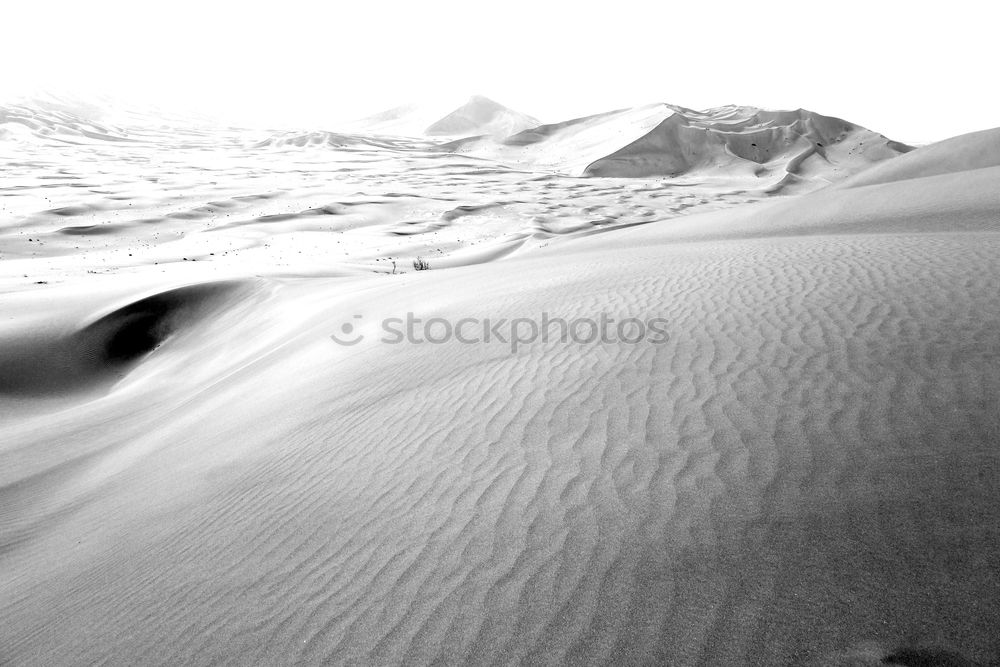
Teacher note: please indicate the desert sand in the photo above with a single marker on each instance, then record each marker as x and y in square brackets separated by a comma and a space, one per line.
[193, 472]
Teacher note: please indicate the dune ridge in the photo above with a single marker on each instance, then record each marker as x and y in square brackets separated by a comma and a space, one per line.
[775, 151]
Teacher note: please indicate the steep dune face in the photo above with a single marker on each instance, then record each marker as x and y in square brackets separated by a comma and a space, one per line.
[774, 150]
[805, 472]
[728, 137]
[567, 147]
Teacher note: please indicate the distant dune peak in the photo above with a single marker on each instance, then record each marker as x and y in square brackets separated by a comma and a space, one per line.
[481, 116]
[477, 116]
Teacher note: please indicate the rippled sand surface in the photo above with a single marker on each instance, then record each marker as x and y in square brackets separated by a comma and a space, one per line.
[192, 471]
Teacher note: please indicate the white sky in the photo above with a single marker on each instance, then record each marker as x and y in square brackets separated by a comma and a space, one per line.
[915, 71]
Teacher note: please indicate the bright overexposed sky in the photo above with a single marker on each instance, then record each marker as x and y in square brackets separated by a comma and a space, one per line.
[914, 71]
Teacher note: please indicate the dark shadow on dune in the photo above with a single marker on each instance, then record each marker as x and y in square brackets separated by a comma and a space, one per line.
[99, 354]
[137, 336]
[90, 230]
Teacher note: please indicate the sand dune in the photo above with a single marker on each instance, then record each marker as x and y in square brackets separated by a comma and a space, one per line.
[805, 473]
[25, 123]
[978, 150]
[569, 146]
[769, 150]
[46, 120]
[329, 140]
[313, 202]
[481, 116]
[477, 116]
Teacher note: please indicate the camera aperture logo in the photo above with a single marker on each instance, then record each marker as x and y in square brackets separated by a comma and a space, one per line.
[347, 335]
[513, 333]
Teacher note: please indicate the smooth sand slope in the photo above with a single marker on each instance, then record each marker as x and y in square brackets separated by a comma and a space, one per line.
[806, 472]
